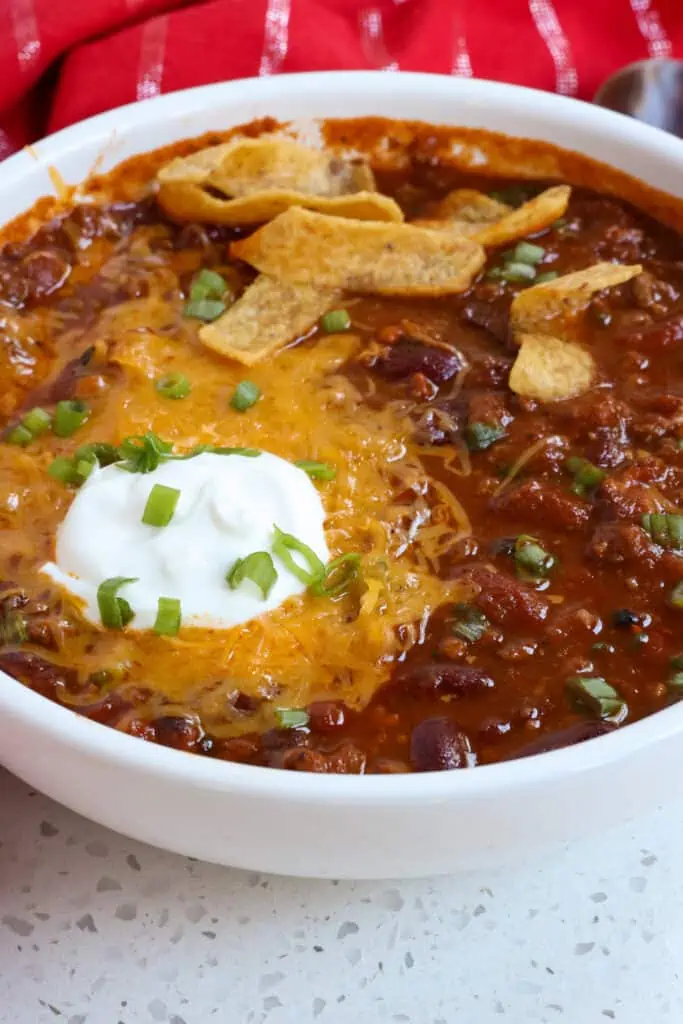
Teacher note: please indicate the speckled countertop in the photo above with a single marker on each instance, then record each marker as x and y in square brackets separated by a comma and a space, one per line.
[98, 929]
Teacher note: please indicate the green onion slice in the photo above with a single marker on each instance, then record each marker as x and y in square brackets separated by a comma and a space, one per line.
[516, 271]
[37, 421]
[257, 567]
[337, 576]
[675, 683]
[173, 385]
[532, 560]
[167, 622]
[335, 321]
[161, 504]
[527, 252]
[98, 451]
[246, 394]
[19, 435]
[596, 695]
[143, 453]
[317, 470]
[207, 284]
[676, 598]
[587, 477]
[207, 310]
[665, 528]
[470, 624]
[547, 275]
[13, 627]
[283, 546]
[480, 436]
[115, 611]
[70, 414]
[291, 718]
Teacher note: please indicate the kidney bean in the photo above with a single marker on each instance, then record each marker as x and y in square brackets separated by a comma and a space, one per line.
[444, 677]
[576, 733]
[407, 357]
[300, 759]
[326, 715]
[178, 731]
[437, 744]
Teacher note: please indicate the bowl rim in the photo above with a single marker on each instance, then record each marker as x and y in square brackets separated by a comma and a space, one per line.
[106, 744]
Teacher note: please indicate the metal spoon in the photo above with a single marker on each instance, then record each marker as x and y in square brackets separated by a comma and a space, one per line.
[649, 90]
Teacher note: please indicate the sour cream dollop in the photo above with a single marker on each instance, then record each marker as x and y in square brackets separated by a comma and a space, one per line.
[227, 509]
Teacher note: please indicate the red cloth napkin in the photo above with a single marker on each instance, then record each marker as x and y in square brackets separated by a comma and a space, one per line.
[63, 60]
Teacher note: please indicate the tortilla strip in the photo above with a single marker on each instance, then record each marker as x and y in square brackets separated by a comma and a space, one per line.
[259, 178]
[550, 366]
[529, 218]
[550, 369]
[193, 203]
[355, 255]
[267, 316]
[566, 296]
[245, 165]
[465, 211]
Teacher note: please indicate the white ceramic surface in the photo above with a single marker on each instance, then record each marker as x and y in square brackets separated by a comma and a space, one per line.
[339, 826]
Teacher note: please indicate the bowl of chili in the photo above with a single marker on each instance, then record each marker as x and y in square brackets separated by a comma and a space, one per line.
[480, 657]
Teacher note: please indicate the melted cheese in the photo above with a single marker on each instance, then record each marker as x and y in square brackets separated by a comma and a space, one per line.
[384, 503]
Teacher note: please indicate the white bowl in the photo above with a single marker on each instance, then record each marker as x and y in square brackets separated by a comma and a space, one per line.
[317, 825]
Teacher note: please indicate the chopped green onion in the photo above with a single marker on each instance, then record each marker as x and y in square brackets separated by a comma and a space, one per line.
[69, 416]
[98, 451]
[257, 567]
[527, 252]
[284, 544]
[470, 624]
[675, 682]
[167, 622]
[13, 627]
[337, 576]
[143, 453]
[246, 394]
[207, 284]
[19, 435]
[518, 272]
[63, 469]
[676, 597]
[587, 477]
[595, 694]
[665, 528]
[547, 275]
[317, 470]
[115, 611]
[531, 559]
[161, 505]
[173, 385]
[335, 321]
[248, 453]
[36, 421]
[204, 309]
[480, 436]
[495, 274]
[83, 468]
[291, 718]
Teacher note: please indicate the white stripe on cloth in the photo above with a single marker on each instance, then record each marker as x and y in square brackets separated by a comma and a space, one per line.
[25, 30]
[275, 37]
[548, 26]
[461, 63]
[651, 28]
[151, 59]
[372, 40]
